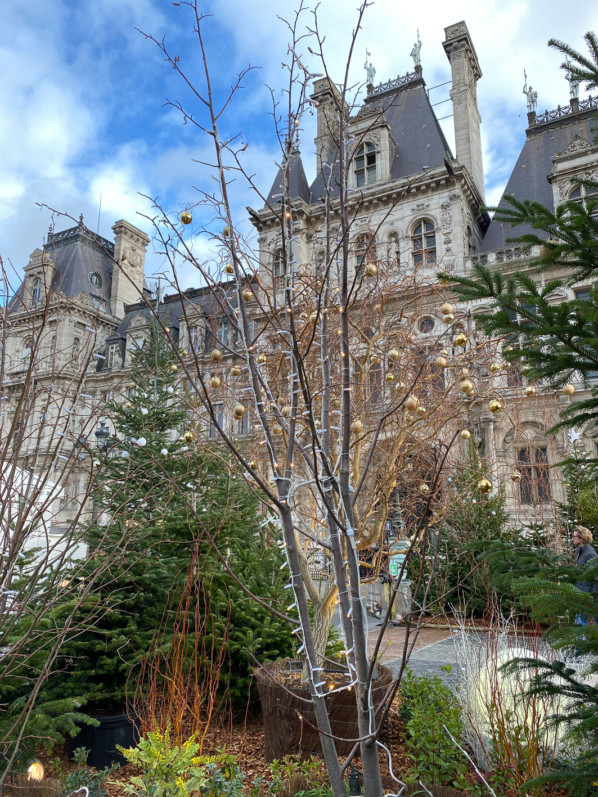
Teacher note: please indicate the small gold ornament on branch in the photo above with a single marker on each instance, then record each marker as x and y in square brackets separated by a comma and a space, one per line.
[446, 308]
[484, 486]
[495, 406]
[247, 295]
[516, 476]
[174, 367]
[466, 387]
[229, 268]
[389, 378]
[424, 489]
[494, 368]
[421, 411]
[236, 370]
[285, 411]
[411, 403]
[188, 437]
[186, 217]
[530, 391]
[357, 427]
[394, 355]
[239, 411]
[371, 269]
[568, 389]
[441, 362]
[277, 429]
[215, 382]
[262, 358]
[465, 434]
[226, 231]
[461, 339]
[448, 319]
[215, 355]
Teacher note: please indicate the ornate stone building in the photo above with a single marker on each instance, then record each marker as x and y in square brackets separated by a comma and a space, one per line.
[417, 207]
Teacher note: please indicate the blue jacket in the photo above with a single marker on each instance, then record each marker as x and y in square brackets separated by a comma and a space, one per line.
[584, 554]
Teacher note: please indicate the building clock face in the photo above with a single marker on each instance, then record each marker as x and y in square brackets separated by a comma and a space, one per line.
[95, 280]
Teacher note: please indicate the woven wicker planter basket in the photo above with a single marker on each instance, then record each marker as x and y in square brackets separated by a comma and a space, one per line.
[285, 733]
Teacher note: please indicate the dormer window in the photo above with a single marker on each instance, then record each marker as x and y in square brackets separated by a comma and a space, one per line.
[37, 290]
[424, 244]
[113, 355]
[365, 165]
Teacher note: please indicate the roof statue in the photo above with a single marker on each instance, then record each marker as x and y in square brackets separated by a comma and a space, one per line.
[416, 51]
[532, 96]
[370, 70]
[574, 81]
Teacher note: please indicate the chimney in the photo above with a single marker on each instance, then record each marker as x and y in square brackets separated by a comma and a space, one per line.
[466, 72]
[128, 270]
[328, 102]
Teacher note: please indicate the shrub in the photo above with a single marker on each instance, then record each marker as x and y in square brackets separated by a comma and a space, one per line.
[82, 775]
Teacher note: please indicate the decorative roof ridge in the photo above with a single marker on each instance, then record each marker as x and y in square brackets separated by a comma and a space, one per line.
[78, 233]
[399, 83]
[564, 111]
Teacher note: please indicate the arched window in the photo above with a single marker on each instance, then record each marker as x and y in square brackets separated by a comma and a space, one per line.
[365, 251]
[365, 165]
[28, 345]
[37, 290]
[424, 243]
[581, 193]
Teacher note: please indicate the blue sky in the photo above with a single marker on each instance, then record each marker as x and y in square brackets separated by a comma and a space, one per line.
[83, 95]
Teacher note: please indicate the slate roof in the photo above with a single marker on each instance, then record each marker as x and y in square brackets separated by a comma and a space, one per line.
[529, 177]
[414, 128]
[298, 187]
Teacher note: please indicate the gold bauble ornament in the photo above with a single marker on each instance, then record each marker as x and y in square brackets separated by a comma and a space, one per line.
[215, 382]
[285, 411]
[441, 362]
[421, 411]
[494, 368]
[277, 429]
[252, 464]
[375, 360]
[239, 411]
[464, 371]
[226, 231]
[185, 352]
[530, 391]
[516, 476]
[411, 403]
[186, 217]
[261, 358]
[247, 295]
[357, 427]
[465, 434]
[461, 339]
[495, 406]
[449, 318]
[215, 355]
[188, 437]
[484, 486]
[424, 489]
[446, 308]
[336, 403]
[174, 367]
[229, 268]
[313, 317]
[393, 355]
[568, 389]
[389, 378]
[236, 370]
[128, 405]
[466, 387]
[371, 269]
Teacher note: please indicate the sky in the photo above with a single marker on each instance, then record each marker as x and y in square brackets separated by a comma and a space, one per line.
[85, 124]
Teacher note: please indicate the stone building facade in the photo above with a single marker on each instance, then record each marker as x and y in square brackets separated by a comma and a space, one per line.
[416, 206]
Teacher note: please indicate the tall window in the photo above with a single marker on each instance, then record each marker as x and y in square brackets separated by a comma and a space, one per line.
[27, 351]
[424, 244]
[37, 290]
[219, 416]
[583, 192]
[113, 355]
[243, 424]
[223, 330]
[194, 338]
[278, 267]
[365, 251]
[534, 487]
[365, 165]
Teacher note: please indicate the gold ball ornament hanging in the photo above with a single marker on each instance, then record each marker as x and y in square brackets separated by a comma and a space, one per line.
[226, 231]
[461, 340]
[215, 355]
[174, 367]
[530, 391]
[516, 476]
[285, 411]
[236, 370]
[484, 486]
[336, 403]
[421, 411]
[247, 295]
[188, 437]
[494, 368]
[229, 268]
[449, 318]
[186, 217]
[389, 378]
[424, 489]
[411, 403]
[465, 434]
[262, 359]
[393, 355]
[215, 382]
[371, 269]
[466, 387]
[446, 308]
[239, 411]
[357, 427]
[252, 464]
[313, 317]
[128, 405]
[464, 371]
[277, 429]
[441, 362]
[568, 389]
[374, 360]
[495, 406]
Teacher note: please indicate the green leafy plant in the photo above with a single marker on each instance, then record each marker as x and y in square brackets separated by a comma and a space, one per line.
[429, 709]
[82, 775]
[294, 777]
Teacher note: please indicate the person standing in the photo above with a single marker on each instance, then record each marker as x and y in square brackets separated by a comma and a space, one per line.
[584, 553]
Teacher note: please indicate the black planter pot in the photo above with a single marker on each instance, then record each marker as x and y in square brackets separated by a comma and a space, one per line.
[101, 741]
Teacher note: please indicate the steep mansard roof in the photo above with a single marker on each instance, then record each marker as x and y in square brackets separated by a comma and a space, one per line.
[529, 180]
[419, 141]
